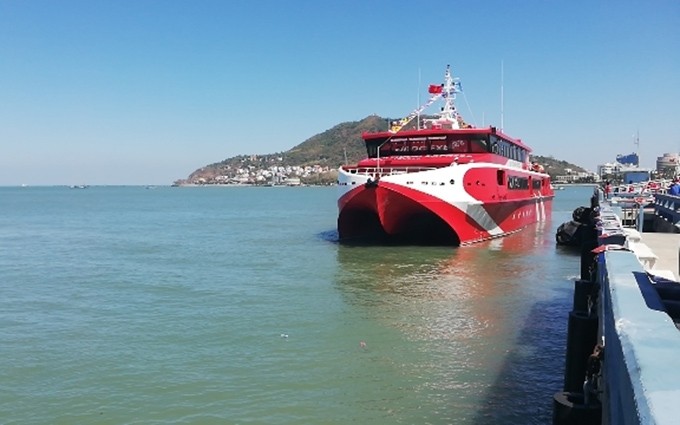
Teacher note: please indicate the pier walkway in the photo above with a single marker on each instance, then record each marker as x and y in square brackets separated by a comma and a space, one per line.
[666, 247]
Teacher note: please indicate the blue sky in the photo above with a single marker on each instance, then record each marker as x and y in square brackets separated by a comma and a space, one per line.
[145, 92]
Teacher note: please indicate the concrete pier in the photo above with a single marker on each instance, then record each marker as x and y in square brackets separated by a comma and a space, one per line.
[666, 246]
[641, 367]
[634, 371]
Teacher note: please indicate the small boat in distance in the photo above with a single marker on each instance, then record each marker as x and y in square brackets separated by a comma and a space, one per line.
[446, 182]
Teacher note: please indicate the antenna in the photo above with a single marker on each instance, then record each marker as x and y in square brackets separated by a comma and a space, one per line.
[636, 142]
[418, 99]
[502, 100]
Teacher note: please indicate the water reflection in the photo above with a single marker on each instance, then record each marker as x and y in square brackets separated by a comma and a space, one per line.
[449, 316]
[441, 273]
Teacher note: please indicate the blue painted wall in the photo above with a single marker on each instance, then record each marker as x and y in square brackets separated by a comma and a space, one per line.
[641, 370]
[635, 176]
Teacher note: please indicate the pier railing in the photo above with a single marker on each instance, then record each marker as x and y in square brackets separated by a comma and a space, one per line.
[667, 207]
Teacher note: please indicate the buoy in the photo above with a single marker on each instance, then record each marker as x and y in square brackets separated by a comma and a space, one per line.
[568, 409]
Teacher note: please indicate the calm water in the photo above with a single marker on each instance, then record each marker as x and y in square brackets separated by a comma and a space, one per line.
[123, 305]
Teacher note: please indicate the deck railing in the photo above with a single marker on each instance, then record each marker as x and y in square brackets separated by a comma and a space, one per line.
[385, 171]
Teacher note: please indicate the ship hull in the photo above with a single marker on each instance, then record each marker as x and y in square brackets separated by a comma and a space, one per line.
[456, 205]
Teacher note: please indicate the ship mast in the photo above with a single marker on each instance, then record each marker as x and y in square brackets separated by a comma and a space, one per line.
[448, 115]
[450, 88]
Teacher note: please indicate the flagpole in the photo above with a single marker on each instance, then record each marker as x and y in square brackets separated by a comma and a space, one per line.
[502, 100]
[418, 99]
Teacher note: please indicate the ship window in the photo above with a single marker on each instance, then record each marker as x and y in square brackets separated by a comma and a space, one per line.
[439, 146]
[500, 177]
[434, 145]
[399, 147]
[478, 145]
[518, 183]
[459, 146]
[418, 147]
[386, 149]
[372, 148]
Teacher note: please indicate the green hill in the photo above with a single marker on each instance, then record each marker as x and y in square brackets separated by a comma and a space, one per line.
[330, 149]
[331, 146]
[556, 167]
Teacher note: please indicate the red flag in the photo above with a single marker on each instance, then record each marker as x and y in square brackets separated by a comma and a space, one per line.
[434, 89]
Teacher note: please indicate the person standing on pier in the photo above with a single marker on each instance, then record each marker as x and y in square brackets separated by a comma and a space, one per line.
[607, 189]
[675, 188]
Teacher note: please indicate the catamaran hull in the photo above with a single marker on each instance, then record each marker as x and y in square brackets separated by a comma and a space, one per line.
[455, 205]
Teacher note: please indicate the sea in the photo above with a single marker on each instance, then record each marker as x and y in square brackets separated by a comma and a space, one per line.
[237, 305]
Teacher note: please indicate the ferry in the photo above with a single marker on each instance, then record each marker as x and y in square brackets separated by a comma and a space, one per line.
[443, 181]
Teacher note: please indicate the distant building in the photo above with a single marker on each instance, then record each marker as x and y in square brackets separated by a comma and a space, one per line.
[668, 162]
[605, 169]
[630, 159]
[626, 171]
[575, 177]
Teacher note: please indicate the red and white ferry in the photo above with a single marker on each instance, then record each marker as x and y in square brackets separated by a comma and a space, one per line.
[443, 182]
